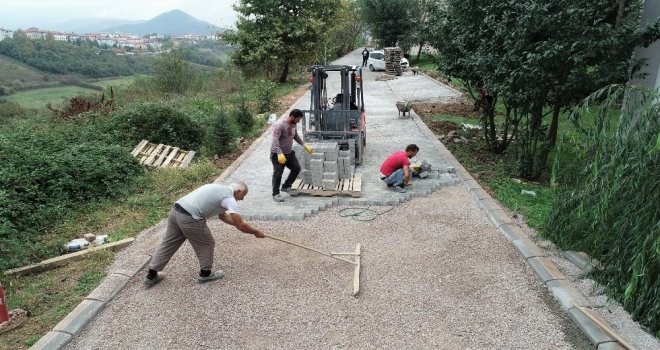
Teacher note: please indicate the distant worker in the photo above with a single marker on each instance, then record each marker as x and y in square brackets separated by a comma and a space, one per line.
[395, 171]
[282, 154]
[365, 57]
[187, 221]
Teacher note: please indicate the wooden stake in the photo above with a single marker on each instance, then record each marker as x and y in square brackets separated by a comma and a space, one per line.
[356, 274]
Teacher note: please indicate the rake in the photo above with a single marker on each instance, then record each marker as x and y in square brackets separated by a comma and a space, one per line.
[356, 263]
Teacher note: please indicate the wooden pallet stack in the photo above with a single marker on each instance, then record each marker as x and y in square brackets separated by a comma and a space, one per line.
[393, 60]
[161, 156]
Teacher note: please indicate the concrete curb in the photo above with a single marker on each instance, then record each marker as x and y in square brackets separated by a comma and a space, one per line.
[78, 319]
[561, 289]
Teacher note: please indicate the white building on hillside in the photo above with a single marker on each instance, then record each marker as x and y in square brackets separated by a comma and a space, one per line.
[4, 33]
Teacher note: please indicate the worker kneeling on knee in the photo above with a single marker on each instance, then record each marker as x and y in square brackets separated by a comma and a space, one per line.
[395, 171]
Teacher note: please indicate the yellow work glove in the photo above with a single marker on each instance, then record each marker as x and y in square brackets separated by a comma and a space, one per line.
[308, 148]
[281, 158]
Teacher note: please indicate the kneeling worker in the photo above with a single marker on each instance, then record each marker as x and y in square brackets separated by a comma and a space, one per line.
[395, 171]
[187, 220]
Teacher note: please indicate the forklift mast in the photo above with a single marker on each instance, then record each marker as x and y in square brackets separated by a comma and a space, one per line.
[340, 117]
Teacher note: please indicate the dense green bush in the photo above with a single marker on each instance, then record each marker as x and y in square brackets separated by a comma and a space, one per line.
[10, 109]
[158, 123]
[45, 174]
[608, 206]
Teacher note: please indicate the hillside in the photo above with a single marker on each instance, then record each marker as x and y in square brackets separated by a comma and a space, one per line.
[175, 22]
[16, 75]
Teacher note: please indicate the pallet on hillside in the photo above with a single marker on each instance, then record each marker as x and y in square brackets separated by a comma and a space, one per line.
[161, 156]
[347, 187]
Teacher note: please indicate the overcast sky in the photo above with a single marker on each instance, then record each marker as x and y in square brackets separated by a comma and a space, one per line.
[16, 14]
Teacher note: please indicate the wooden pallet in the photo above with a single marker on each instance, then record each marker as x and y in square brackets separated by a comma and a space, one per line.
[347, 187]
[161, 156]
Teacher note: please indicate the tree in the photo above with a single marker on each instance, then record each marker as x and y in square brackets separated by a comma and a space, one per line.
[345, 35]
[390, 21]
[280, 32]
[172, 73]
[539, 58]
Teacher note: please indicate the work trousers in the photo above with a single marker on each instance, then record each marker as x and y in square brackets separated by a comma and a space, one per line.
[278, 170]
[396, 178]
[179, 228]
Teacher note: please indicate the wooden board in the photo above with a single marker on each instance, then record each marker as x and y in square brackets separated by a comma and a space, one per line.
[348, 187]
[66, 258]
[161, 156]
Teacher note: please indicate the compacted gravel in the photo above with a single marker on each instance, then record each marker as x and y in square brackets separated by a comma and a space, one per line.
[435, 275]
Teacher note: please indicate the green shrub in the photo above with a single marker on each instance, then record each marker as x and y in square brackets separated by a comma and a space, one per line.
[158, 123]
[608, 206]
[266, 92]
[10, 109]
[44, 176]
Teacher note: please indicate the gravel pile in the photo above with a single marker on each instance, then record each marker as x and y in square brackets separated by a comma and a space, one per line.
[435, 275]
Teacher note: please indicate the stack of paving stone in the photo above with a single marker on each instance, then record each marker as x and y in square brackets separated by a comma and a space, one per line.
[346, 164]
[393, 60]
[327, 165]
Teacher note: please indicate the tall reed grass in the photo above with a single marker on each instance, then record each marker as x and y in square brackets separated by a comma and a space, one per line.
[609, 202]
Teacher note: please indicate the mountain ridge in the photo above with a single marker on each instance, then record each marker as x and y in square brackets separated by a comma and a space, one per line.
[175, 22]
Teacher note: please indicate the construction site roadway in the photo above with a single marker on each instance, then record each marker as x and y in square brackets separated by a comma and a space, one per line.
[442, 266]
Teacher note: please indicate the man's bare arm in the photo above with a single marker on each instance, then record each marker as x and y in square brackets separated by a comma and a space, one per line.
[406, 174]
[236, 221]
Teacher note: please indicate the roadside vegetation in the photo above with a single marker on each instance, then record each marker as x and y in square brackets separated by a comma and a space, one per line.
[67, 169]
[550, 121]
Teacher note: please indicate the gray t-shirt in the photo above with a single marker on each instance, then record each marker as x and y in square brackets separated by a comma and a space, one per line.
[208, 201]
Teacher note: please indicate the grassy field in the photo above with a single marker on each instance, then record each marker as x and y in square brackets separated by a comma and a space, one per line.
[39, 98]
[106, 83]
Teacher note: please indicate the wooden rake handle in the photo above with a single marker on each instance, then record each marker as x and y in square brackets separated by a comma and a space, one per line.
[308, 248]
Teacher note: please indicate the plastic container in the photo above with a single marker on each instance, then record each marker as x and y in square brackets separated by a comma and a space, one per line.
[76, 244]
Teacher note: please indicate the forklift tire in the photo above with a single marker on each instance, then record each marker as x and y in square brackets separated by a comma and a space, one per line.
[371, 68]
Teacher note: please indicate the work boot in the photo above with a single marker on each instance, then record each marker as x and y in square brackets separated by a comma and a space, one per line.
[212, 277]
[279, 197]
[148, 283]
[399, 189]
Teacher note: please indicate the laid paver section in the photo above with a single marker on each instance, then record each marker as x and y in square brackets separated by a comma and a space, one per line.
[386, 133]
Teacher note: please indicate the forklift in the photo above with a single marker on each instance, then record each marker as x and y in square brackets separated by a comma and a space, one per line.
[340, 117]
